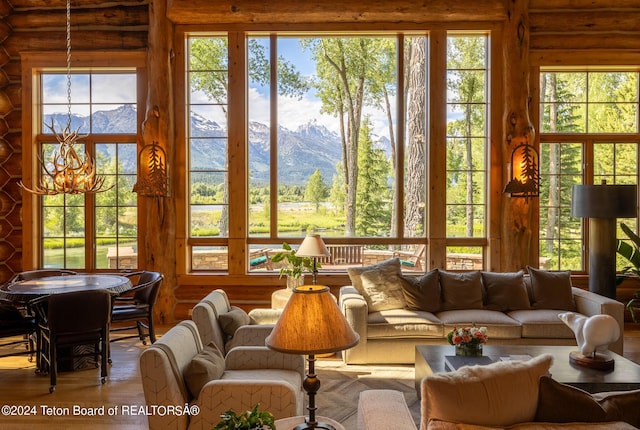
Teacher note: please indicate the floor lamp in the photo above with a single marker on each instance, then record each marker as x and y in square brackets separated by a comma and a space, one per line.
[602, 204]
[313, 246]
[312, 323]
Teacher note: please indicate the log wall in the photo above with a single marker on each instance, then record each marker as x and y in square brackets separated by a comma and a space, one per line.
[555, 26]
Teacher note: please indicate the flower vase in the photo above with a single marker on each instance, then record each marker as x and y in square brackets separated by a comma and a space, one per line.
[469, 350]
[295, 282]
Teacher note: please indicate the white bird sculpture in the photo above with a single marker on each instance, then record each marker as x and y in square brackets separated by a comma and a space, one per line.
[592, 333]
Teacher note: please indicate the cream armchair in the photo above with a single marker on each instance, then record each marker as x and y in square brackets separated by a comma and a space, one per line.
[209, 310]
[251, 375]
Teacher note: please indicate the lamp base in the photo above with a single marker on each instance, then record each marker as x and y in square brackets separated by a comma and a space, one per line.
[317, 425]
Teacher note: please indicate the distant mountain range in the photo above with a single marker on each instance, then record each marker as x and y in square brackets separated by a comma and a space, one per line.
[300, 152]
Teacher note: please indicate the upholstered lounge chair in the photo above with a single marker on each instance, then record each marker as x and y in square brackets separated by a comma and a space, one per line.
[249, 375]
[226, 325]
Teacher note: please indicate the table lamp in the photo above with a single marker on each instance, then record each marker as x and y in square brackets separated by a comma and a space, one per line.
[311, 323]
[313, 246]
[602, 204]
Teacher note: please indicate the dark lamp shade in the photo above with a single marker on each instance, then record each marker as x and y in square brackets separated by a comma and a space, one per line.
[313, 246]
[311, 323]
[604, 201]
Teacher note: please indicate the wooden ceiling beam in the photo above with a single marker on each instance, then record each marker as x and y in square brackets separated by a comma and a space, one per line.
[336, 11]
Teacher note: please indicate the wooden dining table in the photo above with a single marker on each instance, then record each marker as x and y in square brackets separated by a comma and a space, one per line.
[25, 291]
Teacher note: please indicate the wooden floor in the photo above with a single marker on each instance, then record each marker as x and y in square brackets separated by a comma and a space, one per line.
[35, 408]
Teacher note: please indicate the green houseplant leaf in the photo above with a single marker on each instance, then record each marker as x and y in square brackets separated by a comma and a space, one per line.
[631, 252]
[248, 420]
[296, 265]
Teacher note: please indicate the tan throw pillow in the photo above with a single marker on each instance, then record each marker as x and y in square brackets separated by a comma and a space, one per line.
[551, 289]
[232, 320]
[460, 290]
[422, 293]
[382, 290]
[389, 267]
[577, 405]
[505, 291]
[204, 367]
[499, 394]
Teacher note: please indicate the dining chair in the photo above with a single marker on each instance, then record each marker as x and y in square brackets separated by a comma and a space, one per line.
[18, 329]
[71, 321]
[136, 305]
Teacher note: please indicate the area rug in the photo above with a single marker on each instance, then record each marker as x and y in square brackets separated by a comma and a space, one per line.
[341, 385]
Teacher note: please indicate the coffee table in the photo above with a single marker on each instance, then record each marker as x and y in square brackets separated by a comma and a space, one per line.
[624, 376]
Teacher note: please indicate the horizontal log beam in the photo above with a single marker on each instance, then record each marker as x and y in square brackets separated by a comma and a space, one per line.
[117, 16]
[80, 40]
[324, 11]
[62, 4]
[581, 4]
[581, 21]
[585, 41]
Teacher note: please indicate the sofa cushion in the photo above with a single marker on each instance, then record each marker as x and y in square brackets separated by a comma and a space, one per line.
[542, 323]
[394, 323]
[204, 367]
[280, 375]
[382, 290]
[505, 291]
[577, 405]
[422, 293]
[499, 325]
[460, 290]
[478, 394]
[385, 273]
[551, 289]
[232, 320]
[621, 405]
[613, 425]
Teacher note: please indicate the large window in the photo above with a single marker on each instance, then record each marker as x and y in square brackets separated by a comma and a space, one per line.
[88, 231]
[338, 142]
[589, 134]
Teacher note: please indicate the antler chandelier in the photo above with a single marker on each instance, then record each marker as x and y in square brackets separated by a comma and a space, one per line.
[67, 172]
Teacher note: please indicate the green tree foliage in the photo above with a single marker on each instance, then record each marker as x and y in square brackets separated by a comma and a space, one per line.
[466, 84]
[338, 193]
[373, 203]
[351, 72]
[316, 190]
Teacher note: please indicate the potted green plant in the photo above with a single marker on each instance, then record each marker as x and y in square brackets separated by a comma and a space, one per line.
[248, 420]
[295, 266]
[631, 252]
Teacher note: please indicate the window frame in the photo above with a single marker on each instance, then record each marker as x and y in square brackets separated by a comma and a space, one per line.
[571, 62]
[239, 243]
[33, 63]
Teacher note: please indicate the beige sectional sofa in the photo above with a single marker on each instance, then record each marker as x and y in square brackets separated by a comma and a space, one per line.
[393, 312]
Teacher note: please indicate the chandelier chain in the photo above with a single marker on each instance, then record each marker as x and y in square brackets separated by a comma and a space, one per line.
[68, 64]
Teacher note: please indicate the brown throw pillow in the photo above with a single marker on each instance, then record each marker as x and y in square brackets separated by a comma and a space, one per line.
[233, 320]
[422, 293]
[560, 403]
[204, 367]
[505, 291]
[461, 290]
[551, 289]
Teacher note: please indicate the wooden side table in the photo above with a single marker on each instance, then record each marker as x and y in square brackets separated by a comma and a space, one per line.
[291, 422]
[279, 298]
